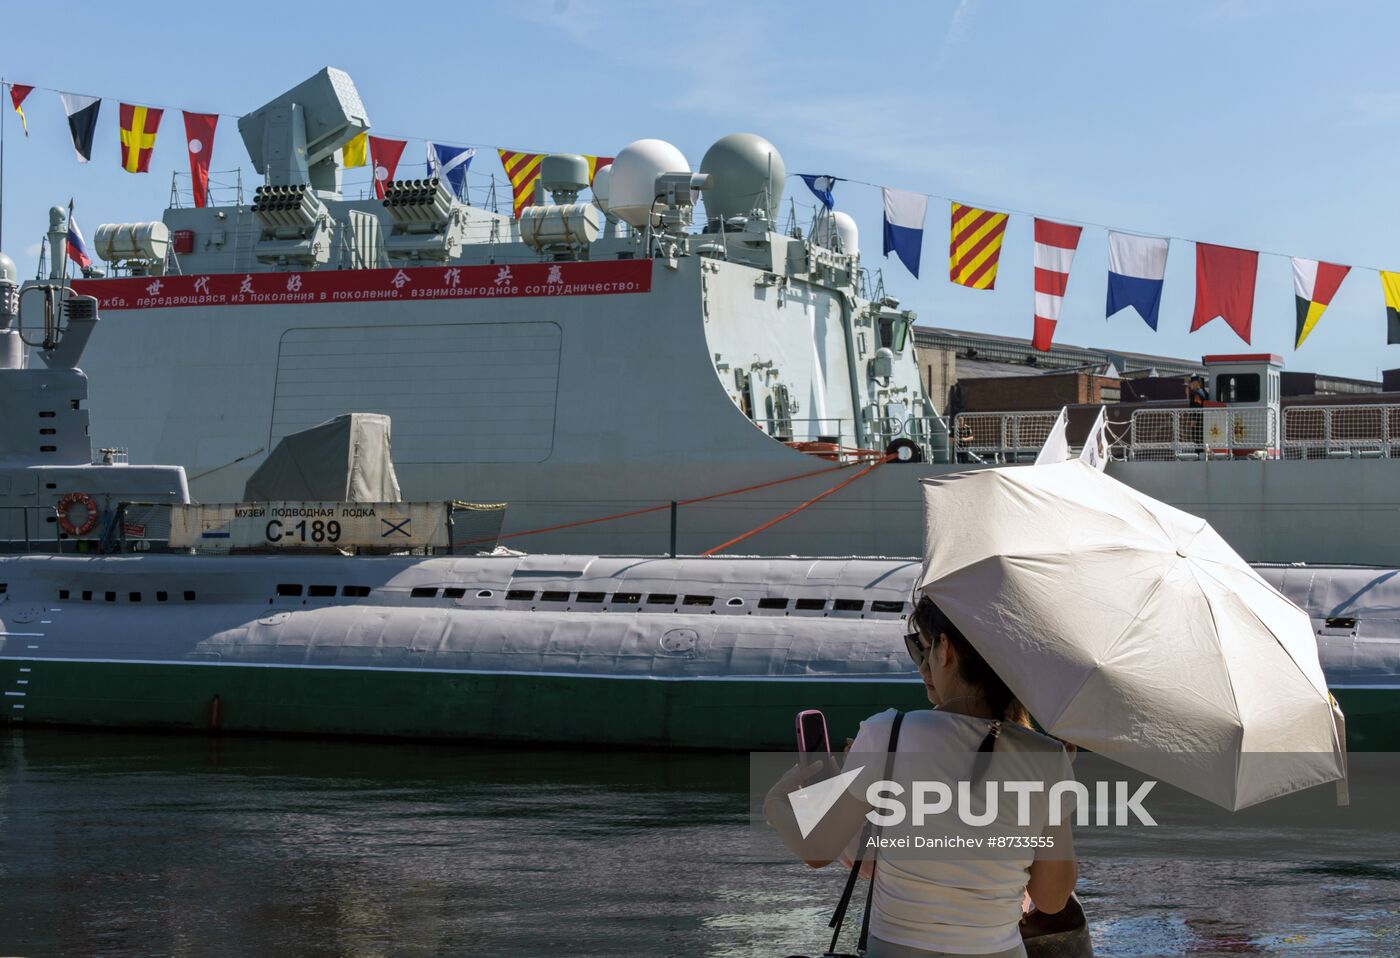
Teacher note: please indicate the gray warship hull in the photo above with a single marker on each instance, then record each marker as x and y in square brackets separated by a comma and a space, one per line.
[577, 407]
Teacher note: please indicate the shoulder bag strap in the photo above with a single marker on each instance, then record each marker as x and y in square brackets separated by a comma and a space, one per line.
[839, 917]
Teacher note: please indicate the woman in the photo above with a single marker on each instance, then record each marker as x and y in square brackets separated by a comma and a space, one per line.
[931, 906]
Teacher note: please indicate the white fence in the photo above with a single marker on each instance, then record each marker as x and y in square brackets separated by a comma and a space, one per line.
[1150, 434]
[1341, 432]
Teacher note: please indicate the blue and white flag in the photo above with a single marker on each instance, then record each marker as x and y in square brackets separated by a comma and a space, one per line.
[904, 226]
[1137, 266]
[821, 187]
[450, 163]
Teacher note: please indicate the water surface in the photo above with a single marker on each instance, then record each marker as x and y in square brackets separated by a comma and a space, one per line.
[118, 844]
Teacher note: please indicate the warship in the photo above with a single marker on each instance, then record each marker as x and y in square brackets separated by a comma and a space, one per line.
[663, 343]
[104, 625]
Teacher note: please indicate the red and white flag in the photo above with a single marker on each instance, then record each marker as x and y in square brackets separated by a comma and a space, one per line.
[384, 160]
[1055, 244]
[199, 139]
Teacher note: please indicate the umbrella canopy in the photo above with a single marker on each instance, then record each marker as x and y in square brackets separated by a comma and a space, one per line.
[1131, 628]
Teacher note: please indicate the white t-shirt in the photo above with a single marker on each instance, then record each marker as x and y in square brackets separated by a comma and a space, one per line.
[966, 907]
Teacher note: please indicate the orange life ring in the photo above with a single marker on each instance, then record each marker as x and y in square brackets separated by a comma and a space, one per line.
[68, 502]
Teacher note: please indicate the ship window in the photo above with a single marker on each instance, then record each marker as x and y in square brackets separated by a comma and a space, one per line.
[87, 595]
[1341, 622]
[50, 485]
[110, 596]
[62, 593]
[522, 595]
[134, 597]
[735, 601]
[48, 449]
[288, 588]
[554, 596]
[485, 594]
[189, 595]
[47, 414]
[455, 593]
[320, 591]
[705, 600]
[162, 596]
[1237, 387]
[423, 592]
[886, 606]
[848, 605]
[357, 591]
[811, 605]
[661, 598]
[626, 598]
[593, 598]
[772, 603]
[48, 432]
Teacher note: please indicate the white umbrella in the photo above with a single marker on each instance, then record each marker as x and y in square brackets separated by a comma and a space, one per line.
[1131, 628]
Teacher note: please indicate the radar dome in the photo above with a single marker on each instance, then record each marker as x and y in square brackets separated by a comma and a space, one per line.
[839, 231]
[632, 187]
[601, 179]
[747, 170]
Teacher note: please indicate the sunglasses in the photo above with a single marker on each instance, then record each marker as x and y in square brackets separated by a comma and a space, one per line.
[917, 652]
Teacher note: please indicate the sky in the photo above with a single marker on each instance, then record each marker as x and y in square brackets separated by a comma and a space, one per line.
[1264, 124]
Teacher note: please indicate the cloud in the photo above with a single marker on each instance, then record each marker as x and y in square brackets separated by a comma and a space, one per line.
[957, 32]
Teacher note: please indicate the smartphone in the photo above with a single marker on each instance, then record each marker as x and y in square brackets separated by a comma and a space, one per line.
[812, 741]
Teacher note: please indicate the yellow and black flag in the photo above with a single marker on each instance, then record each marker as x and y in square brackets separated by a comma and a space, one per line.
[1390, 282]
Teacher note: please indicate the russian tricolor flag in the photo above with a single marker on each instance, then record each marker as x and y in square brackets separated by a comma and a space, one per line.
[1137, 266]
[78, 250]
[904, 226]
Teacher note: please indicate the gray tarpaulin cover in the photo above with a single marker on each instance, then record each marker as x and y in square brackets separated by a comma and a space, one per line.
[345, 459]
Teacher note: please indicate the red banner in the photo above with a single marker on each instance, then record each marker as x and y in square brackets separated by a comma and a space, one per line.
[602, 278]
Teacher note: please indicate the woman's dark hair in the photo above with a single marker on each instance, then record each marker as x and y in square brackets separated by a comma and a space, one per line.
[972, 668]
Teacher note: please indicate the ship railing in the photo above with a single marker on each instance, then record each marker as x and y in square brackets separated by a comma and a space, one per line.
[29, 529]
[1360, 431]
[1161, 435]
[1000, 437]
[1217, 433]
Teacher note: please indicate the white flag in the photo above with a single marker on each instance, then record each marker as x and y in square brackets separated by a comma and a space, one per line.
[1095, 451]
[1056, 448]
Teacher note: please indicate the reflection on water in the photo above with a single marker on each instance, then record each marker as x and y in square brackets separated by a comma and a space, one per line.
[144, 845]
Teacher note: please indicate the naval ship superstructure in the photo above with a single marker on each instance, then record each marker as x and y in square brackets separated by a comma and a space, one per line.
[664, 343]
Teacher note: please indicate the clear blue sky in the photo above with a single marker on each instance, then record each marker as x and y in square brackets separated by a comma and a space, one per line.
[1266, 124]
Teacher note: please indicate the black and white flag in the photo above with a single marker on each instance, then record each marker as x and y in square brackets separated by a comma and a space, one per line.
[82, 121]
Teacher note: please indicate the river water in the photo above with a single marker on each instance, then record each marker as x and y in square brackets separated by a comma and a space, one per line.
[120, 844]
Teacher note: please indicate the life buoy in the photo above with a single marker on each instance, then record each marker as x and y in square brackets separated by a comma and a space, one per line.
[66, 523]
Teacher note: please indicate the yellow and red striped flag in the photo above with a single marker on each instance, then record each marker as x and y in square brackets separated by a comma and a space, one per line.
[139, 126]
[523, 170]
[975, 246]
